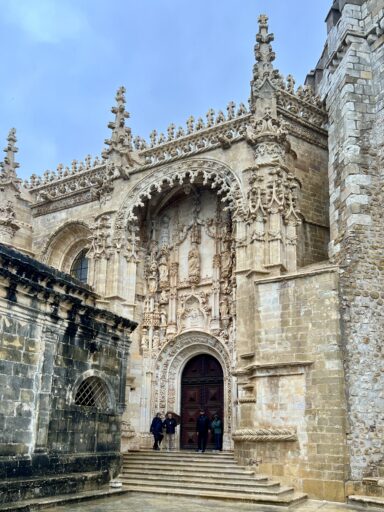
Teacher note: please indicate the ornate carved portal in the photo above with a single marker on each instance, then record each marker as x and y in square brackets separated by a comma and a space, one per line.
[185, 282]
[169, 368]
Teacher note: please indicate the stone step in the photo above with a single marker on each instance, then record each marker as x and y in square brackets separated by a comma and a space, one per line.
[198, 478]
[266, 499]
[232, 487]
[188, 460]
[202, 475]
[187, 473]
[176, 463]
[184, 468]
[180, 456]
[370, 502]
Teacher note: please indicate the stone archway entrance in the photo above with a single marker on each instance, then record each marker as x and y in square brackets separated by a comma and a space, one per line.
[168, 371]
[201, 388]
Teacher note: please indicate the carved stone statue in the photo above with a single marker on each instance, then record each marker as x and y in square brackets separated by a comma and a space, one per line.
[152, 279]
[163, 271]
[163, 317]
[224, 308]
[225, 264]
[194, 264]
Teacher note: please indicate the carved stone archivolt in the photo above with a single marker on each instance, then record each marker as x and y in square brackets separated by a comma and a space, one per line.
[214, 174]
[171, 361]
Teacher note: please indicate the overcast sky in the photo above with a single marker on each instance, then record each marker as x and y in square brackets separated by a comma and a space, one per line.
[62, 61]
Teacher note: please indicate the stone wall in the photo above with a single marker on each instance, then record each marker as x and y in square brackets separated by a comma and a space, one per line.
[52, 339]
[350, 78]
[291, 406]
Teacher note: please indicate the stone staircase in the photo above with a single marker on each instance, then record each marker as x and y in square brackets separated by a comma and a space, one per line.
[204, 475]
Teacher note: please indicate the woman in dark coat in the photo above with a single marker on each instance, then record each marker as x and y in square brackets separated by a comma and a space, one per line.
[157, 431]
[217, 429]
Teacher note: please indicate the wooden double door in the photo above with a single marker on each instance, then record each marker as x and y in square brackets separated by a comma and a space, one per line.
[201, 388]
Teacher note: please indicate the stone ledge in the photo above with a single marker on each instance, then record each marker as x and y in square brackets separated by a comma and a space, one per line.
[299, 274]
[371, 502]
[42, 503]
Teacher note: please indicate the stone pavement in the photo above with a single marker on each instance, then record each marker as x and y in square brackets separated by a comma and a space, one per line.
[152, 503]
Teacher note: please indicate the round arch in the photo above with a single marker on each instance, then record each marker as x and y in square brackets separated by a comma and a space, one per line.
[88, 374]
[65, 244]
[171, 363]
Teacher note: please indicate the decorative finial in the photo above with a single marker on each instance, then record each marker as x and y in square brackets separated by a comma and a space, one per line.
[263, 49]
[9, 164]
[120, 143]
[263, 69]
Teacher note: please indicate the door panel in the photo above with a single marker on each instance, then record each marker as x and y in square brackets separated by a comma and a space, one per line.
[201, 388]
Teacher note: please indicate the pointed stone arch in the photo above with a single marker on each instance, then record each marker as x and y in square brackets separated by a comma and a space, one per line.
[214, 173]
[65, 244]
[169, 368]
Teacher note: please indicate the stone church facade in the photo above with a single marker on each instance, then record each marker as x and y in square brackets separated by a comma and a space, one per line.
[247, 246]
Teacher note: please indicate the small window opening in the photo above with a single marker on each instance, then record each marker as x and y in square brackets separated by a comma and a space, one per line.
[93, 392]
[79, 267]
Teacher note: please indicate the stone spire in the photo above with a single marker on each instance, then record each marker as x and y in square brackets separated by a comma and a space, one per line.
[263, 70]
[119, 151]
[9, 165]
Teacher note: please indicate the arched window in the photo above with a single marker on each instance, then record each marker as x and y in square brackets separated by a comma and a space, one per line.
[79, 267]
[93, 392]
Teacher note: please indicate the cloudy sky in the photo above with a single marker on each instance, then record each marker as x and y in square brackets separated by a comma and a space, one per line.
[62, 61]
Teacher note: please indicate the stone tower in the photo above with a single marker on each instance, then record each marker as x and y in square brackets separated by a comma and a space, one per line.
[350, 79]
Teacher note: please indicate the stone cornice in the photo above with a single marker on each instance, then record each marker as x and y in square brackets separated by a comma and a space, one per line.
[19, 270]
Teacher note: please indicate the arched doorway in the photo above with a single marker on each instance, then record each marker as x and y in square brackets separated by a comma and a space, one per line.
[201, 388]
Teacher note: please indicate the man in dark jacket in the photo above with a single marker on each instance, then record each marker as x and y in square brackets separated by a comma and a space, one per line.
[170, 425]
[157, 431]
[202, 430]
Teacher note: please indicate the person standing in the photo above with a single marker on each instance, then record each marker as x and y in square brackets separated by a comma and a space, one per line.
[170, 425]
[217, 430]
[202, 430]
[157, 431]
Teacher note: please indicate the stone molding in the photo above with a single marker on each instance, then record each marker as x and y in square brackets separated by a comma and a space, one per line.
[263, 435]
[247, 400]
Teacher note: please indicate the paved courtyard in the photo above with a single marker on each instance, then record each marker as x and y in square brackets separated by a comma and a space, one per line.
[151, 503]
